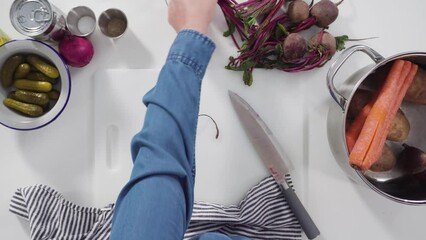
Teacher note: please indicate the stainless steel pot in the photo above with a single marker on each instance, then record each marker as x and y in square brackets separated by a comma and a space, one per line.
[397, 187]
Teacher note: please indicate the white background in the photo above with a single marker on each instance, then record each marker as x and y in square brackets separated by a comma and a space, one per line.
[62, 154]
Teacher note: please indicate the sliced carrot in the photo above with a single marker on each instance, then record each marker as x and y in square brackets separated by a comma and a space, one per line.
[377, 114]
[355, 128]
[362, 144]
[373, 154]
[352, 133]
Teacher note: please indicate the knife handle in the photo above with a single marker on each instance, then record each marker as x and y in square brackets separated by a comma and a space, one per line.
[299, 211]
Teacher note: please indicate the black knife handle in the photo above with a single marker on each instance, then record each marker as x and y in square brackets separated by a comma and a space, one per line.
[299, 211]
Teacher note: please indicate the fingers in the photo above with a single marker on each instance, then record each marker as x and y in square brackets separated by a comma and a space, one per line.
[191, 14]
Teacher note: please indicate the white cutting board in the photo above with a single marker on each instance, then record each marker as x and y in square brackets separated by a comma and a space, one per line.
[227, 167]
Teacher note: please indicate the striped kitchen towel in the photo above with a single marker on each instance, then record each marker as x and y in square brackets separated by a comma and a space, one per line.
[262, 214]
[52, 217]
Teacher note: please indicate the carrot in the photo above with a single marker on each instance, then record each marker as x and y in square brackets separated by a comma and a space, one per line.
[352, 133]
[373, 155]
[355, 128]
[378, 113]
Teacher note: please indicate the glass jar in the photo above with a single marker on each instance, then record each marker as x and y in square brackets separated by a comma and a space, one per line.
[3, 38]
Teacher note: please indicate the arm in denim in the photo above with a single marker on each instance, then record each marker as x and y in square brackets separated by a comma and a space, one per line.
[157, 201]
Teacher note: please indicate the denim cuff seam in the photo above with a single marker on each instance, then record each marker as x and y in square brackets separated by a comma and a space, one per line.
[197, 35]
[191, 62]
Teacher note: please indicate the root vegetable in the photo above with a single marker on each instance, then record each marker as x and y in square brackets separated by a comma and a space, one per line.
[77, 51]
[294, 47]
[400, 128]
[409, 186]
[325, 12]
[386, 162]
[416, 93]
[259, 29]
[355, 127]
[398, 132]
[298, 11]
[324, 42]
[369, 144]
[360, 98]
[412, 160]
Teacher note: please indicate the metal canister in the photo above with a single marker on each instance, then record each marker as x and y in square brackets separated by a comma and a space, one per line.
[38, 19]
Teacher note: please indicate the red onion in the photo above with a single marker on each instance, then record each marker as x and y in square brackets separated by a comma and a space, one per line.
[76, 51]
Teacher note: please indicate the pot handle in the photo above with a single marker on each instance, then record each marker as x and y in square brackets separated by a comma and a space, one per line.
[338, 97]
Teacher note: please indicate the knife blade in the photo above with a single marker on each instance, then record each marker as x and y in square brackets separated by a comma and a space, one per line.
[275, 160]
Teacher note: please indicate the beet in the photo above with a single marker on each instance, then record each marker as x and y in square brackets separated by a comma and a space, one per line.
[324, 42]
[298, 11]
[412, 159]
[261, 31]
[325, 12]
[294, 47]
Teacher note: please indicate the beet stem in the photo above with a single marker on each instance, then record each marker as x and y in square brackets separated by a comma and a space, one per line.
[256, 22]
[264, 3]
[361, 39]
[338, 3]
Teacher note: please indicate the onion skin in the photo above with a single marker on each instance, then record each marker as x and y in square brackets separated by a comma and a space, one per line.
[76, 51]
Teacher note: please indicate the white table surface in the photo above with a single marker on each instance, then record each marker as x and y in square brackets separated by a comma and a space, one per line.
[61, 155]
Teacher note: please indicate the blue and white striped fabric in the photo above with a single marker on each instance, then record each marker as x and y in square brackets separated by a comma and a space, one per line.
[52, 217]
[262, 214]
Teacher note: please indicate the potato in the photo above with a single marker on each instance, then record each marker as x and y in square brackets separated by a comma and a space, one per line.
[359, 100]
[386, 162]
[400, 128]
[375, 80]
[416, 93]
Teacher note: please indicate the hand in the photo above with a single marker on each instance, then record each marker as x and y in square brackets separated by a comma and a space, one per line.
[191, 14]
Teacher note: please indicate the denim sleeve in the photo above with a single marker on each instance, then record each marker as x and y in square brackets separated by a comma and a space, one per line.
[157, 201]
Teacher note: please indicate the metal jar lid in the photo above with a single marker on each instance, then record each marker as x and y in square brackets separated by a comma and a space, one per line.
[31, 17]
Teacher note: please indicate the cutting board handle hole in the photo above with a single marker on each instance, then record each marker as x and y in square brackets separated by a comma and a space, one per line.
[112, 143]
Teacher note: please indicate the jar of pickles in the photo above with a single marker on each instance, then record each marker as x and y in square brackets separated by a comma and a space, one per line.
[3, 38]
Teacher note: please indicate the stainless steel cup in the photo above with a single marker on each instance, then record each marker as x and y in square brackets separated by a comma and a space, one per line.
[81, 21]
[112, 23]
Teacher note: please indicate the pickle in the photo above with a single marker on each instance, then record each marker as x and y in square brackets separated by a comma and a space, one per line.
[12, 95]
[22, 70]
[53, 95]
[38, 76]
[33, 69]
[43, 66]
[8, 69]
[28, 109]
[40, 99]
[36, 86]
[3, 39]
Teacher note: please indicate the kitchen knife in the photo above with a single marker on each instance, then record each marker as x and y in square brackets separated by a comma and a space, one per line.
[274, 159]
